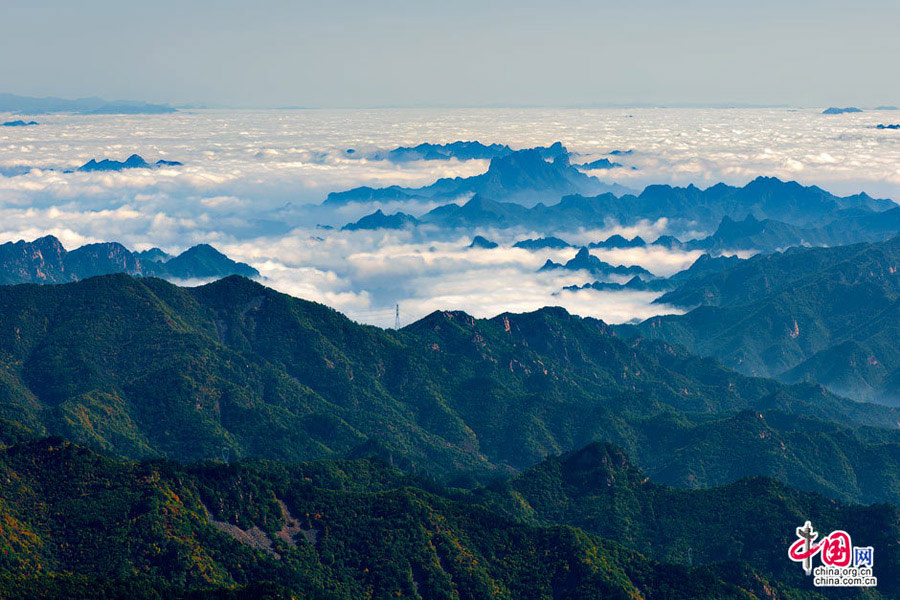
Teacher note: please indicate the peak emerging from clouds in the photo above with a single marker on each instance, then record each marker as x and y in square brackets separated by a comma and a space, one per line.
[766, 197]
[45, 260]
[132, 162]
[524, 176]
[253, 183]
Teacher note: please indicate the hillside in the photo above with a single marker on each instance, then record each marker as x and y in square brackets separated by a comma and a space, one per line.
[321, 530]
[599, 490]
[828, 315]
[140, 367]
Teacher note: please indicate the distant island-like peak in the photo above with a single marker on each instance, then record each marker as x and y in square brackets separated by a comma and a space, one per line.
[482, 242]
[840, 111]
[135, 161]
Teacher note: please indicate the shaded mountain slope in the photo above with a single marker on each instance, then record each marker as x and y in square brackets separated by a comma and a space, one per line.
[323, 530]
[752, 520]
[141, 367]
[828, 315]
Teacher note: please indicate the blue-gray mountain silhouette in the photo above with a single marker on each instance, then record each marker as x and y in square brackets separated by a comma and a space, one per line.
[132, 162]
[524, 176]
[97, 106]
[585, 261]
[484, 243]
[689, 207]
[45, 260]
[618, 241]
[458, 150]
[551, 242]
[599, 164]
[379, 220]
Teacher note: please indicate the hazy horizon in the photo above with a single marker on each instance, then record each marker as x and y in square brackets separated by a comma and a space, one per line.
[698, 105]
[402, 54]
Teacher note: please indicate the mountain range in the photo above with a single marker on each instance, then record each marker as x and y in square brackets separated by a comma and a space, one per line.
[704, 265]
[808, 314]
[599, 164]
[769, 235]
[599, 490]
[585, 261]
[533, 419]
[77, 524]
[523, 176]
[474, 150]
[45, 260]
[132, 162]
[459, 150]
[750, 234]
[805, 208]
[379, 220]
[140, 367]
[228, 441]
[87, 106]
[840, 111]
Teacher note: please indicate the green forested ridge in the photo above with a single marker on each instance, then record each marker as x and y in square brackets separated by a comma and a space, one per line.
[76, 524]
[140, 367]
[752, 520]
[829, 315]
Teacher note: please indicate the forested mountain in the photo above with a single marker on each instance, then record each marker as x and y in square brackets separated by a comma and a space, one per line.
[828, 315]
[599, 490]
[141, 367]
[76, 525]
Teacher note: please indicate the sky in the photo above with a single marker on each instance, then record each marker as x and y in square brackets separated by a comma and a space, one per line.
[404, 53]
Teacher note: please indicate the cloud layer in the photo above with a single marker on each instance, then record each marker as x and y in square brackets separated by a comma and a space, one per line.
[252, 182]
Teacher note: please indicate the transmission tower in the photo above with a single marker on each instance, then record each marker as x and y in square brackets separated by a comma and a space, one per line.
[397, 318]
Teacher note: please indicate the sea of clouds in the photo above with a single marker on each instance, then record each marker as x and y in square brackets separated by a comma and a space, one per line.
[252, 184]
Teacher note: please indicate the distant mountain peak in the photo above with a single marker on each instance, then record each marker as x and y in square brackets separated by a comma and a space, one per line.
[135, 161]
[840, 111]
[380, 220]
[45, 260]
[521, 176]
[482, 242]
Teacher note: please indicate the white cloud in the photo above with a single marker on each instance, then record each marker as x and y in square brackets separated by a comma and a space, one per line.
[249, 178]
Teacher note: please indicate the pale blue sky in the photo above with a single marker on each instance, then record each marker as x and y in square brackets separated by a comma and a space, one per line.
[460, 53]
